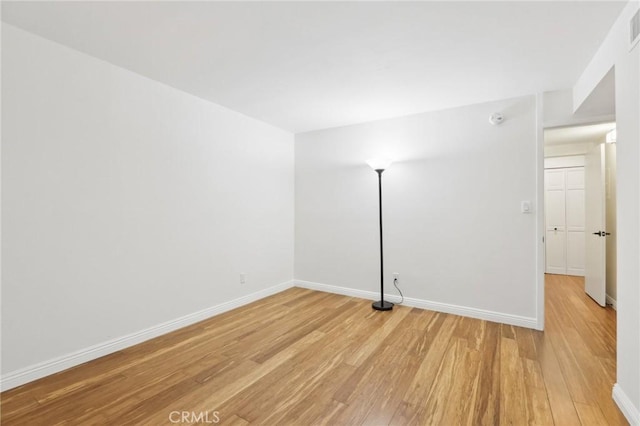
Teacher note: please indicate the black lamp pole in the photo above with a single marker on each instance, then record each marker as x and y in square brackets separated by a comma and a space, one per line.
[381, 305]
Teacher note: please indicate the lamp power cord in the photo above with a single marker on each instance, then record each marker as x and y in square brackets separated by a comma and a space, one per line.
[395, 284]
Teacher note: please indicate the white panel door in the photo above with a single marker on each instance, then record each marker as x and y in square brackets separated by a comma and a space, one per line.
[555, 215]
[595, 266]
[575, 253]
[556, 253]
[574, 200]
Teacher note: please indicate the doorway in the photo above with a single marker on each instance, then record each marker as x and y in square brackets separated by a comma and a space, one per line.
[580, 303]
[580, 206]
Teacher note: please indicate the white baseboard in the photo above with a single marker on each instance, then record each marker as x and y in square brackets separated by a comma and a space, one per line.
[464, 311]
[575, 272]
[611, 301]
[46, 368]
[626, 406]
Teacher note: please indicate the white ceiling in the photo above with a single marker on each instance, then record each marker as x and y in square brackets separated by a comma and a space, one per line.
[593, 133]
[311, 65]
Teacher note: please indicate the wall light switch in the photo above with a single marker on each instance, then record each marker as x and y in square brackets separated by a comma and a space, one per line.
[525, 207]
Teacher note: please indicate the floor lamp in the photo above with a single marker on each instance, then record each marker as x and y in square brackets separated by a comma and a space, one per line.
[380, 165]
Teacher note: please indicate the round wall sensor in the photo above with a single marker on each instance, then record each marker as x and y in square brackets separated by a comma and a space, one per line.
[496, 118]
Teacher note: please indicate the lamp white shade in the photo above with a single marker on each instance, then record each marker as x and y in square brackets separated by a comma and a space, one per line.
[379, 163]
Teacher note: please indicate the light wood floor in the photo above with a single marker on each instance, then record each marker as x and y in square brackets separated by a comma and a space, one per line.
[303, 357]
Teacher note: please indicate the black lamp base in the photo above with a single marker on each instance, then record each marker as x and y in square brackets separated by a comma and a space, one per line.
[382, 305]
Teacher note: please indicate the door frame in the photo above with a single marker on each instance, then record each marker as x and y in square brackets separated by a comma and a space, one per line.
[540, 222]
[540, 225]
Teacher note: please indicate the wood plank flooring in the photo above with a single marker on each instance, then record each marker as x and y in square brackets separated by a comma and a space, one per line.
[303, 357]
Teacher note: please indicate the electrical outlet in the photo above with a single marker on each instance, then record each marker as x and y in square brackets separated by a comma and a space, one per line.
[243, 278]
[396, 275]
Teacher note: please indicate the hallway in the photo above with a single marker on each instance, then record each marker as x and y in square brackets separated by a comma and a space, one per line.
[577, 354]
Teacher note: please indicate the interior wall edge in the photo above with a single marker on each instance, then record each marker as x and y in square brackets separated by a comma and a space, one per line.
[539, 214]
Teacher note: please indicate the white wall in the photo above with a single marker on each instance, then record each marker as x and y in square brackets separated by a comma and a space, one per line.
[569, 149]
[628, 226]
[453, 226]
[559, 111]
[614, 51]
[614, 47]
[562, 162]
[127, 203]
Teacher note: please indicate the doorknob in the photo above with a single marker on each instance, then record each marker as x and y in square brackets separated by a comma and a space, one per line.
[598, 233]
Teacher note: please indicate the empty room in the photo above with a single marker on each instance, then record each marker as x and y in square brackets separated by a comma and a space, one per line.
[324, 212]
